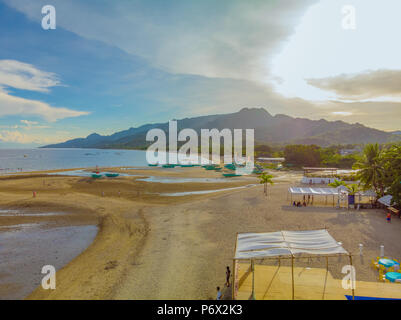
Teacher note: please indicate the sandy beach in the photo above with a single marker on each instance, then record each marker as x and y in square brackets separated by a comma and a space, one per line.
[150, 246]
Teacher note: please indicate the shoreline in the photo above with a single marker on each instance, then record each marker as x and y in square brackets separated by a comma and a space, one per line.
[122, 227]
[154, 247]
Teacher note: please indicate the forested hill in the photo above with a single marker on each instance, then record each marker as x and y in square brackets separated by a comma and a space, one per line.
[278, 129]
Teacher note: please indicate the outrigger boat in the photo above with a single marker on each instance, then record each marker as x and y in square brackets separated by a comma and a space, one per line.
[230, 166]
[168, 165]
[230, 175]
[96, 176]
[112, 175]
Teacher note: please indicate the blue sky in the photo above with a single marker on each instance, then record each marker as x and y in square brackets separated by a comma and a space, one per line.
[111, 65]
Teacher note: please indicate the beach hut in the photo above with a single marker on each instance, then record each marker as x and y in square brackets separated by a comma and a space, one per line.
[279, 245]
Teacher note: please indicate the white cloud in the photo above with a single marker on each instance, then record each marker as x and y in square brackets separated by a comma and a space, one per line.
[226, 39]
[24, 76]
[16, 136]
[369, 85]
[342, 113]
[321, 48]
[11, 105]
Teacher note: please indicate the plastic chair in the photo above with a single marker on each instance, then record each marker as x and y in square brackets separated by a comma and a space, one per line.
[391, 269]
[375, 264]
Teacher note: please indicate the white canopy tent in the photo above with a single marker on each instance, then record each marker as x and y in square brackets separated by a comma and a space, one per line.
[317, 191]
[285, 244]
[386, 200]
[340, 191]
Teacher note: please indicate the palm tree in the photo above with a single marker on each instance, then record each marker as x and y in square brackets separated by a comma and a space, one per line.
[370, 168]
[352, 189]
[337, 183]
[265, 179]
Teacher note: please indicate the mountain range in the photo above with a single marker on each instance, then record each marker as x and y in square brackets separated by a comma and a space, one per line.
[279, 129]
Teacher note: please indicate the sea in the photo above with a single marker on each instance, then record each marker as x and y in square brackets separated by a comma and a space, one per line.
[15, 160]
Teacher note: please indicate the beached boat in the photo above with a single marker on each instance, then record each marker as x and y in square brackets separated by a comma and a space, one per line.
[187, 165]
[168, 165]
[96, 176]
[112, 175]
[230, 166]
[210, 167]
[152, 165]
[230, 175]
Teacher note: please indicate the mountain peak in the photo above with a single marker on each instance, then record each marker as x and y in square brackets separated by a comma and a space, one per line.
[280, 129]
[255, 110]
[93, 136]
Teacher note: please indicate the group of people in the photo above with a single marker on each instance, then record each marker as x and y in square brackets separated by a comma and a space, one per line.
[306, 201]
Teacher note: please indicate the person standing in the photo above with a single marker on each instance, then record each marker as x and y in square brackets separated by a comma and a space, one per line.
[228, 274]
[389, 217]
[219, 294]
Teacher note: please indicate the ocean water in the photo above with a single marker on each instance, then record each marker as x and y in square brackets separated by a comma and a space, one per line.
[25, 248]
[188, 193]
[14, 160]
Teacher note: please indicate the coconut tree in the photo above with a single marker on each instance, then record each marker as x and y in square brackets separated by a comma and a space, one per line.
[352, 190]
[371, 171]
[265, 179]
[337, 183]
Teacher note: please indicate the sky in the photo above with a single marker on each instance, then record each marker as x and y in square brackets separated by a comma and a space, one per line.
[111, 65]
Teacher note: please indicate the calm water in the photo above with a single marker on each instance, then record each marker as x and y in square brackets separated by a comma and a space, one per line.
[50, 159]
[25, 248]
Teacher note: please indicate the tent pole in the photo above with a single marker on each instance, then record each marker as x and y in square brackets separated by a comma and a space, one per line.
[253, 279]
[352, 278]
[292, 276]
[233, 280]
[234, 269]
[327, 263]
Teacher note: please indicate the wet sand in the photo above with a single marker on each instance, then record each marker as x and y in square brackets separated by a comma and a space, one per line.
[159, 247]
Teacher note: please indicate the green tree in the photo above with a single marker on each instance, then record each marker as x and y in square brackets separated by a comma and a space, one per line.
[337, 183]
[371, 171]
[352, 189]
[391, 160]
[265, 179]
[302, 155]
